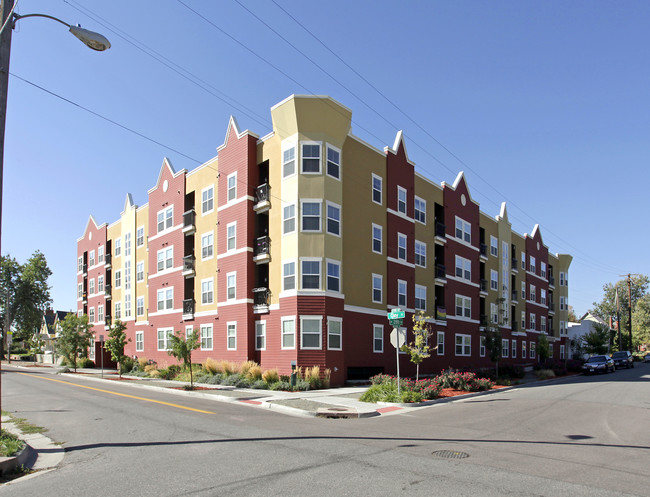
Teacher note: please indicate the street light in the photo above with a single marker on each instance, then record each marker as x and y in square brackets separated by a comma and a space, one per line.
[91, 39]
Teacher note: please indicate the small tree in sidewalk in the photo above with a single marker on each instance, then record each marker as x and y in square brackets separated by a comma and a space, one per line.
[492, 336]
[74, 338]
[116, 342]
[419, 348]
[182, 348]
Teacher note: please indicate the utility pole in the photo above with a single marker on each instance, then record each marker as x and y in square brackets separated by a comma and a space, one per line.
[618, 321]
[628, 276]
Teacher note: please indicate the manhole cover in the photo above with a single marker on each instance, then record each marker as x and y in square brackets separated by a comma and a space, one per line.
[450, 454]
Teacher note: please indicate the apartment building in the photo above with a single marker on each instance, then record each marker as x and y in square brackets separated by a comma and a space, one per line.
[289, 250]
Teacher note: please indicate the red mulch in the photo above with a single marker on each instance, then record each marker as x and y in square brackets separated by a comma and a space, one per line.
[452, 392]
[194, 388]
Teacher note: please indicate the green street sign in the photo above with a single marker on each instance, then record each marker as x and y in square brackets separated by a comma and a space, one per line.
[396, 314]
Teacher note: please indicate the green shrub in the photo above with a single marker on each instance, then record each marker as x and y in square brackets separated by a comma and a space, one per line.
[9, 444]
[285, 377]
[236, 380]
[409, 396]
[381, 392]
[127, 365]
[544, 374]
[84, 362]
[169, 373]
[280, 385]
[260, 385]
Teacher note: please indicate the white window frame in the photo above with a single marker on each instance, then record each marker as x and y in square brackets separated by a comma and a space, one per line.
[337, 209]
[377, 278]
[139, 341]
[333, 333]
[420, 253]
[494, 280]
[513, 349]
[207, 245]
[139, 236]
[542, 266]
[288, 218]
[523, 349]
[402, 246]
[303, 157]
[523, 320]
[207, 294]
[284, 334]
[380, 240]
[505, 347]
[118, 278]
[285, 266]
[207, 200]
[167, 259]
[206, 335]
[465, 345]
[166, 333]
[532, 294]
[402, 296]
[260, 335]
[481, 346]
[303, 260]
[91, 286]
[542, 323]
[231, 237]
[100, 313]
[127, 305]
[139, 271]
[164, 293]
[330, 263]
[378, 338]
[303, 319]
[523, 290]
[231, 285]
[465, 306]
[532, 321]
[167, 220]
[532, 350]
[532, 264]
[118, 310]
[421, 296]
[91, 258]
[139, 306]
[420, 206]
[440, 344]
[465, 267]
[117, 249]
[328, 161]
[100, 254]
[465, 230]
[377, 191]
[402, 203]
[287, 158]
[542, 296]
[231, 188]
[303, 217]
[127, 244]
[494, 246]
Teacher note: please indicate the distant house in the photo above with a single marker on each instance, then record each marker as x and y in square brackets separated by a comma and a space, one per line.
[49, 328]
[586, 325]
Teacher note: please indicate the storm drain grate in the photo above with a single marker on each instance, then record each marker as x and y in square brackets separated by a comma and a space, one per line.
[450, 454]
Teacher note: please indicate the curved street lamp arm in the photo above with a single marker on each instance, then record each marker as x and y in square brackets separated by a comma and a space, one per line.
[18, 17]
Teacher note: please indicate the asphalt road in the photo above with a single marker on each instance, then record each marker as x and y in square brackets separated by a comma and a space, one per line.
[584, 436]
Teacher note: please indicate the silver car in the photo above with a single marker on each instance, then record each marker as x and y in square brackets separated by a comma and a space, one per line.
[598, 364]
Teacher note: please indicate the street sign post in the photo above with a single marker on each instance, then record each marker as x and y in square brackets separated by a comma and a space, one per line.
[397, 336]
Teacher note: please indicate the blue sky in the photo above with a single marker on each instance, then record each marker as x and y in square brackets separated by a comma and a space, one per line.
[544, 105]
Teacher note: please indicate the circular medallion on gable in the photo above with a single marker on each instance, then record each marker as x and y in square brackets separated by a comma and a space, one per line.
[165, 186]
[90, 235]
[463, 200]
[537, 245]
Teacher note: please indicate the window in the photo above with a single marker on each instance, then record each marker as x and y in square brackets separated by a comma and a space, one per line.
[523, 320]
[139, 236]
[231, 236]
[562, 303]
[376, 189]
[333, 162]
[127, 245]
[165, 299]
[514, 349]
[420, 210]
[311, 158]
[289, 276]
[127, 275]
[378, 338]
[504, 347]
[376, 238]
[481, 349]
[523, 261]
[561, 351]
[231, 194]
[289, 219]
[401, 246]
[80, 264]
[165, 258]
[118, 278]
[532, 321]
[118, 247]
[494, 246]
[334, 340]
[523, 349]
[207, 246]
[80, 290]
[401, 200]
[310, 332]
[139, 271]
[310, 274]
[463, 268]
[563, 328]
[401, 293]
[231, 286]
[91, 286]
[311, 216]
[542, 297]
[100, 313]
[562, 279]
[139, 306]
[260, 335]
[118, 310]
[420, 254]
[463, 345]
[463, 230]
[440, 344]
[100, 255]
[288, 333]
[533, 293]
[91, 315]
[333, 276]
[163, 338]
[532, 350]
[139, 341]
[494, 313]
[542, 323]
[542, 267]
[333, 219]
[288, 162]
[531, 264]
[420, 298]
[377, 288]
[494, 279]
[127, 305]
[523, 290]
[207, 291]
[165, 219]
[463, 306]
[91, 258]
[207, 200]
[207, 336]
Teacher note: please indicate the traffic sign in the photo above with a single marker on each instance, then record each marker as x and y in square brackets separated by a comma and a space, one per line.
[398, 337]
[396, 314]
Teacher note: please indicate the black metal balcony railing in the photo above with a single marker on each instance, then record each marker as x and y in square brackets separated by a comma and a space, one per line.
[441, 271]
[440, 230]
[85, 268]
[188, 307]
[262, 246]
[261, 297]
[515, 327]
[551, 306]
[484, 285]
[483, 319]
[483, 249]
[108, 320]
[108, 259]
[515, 263]
[107, 291]
[551, 280]
[514, 295]
[188, 263]
[189, 219]
[263, 193]
[84, 296]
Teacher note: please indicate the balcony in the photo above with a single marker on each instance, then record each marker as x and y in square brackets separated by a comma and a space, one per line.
[261, 300]
[514, 265]
[513, 296]
[551, 281]
[263, 198]
[189, 222]
[189, 262]
[483, 320]
[483, 250]
[262, 250]
[440, 236]
[107, 322]
[441, 274]
[484, 286]
[108, 292]
[551, 307]
[441, 314]
[515, 327]
[108, 259]
[85, 269]
[188, 309]
[84, 297]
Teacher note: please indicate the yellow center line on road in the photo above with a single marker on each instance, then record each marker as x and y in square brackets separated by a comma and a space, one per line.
[120, 394]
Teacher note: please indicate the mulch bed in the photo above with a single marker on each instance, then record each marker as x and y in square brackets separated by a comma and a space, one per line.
[452, 392]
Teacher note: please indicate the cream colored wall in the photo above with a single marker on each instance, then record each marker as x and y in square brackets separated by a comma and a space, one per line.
[113, 232]
[128, 226]
[141, 254]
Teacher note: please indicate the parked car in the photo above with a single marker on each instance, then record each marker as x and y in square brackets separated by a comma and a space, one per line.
[623, 359]
[646, 358]
[598, 364]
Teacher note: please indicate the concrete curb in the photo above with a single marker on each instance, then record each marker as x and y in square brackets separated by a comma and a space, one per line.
[40, 451]
[9, 464]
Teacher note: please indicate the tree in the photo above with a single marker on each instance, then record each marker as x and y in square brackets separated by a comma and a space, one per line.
[543, 348]
[492, 335]
[116, 342]
[597, 340]
[24, 295]
[641, 321]
[74, 338]
[573, 318]
[182, 348]
[419, 348]
[35, 344]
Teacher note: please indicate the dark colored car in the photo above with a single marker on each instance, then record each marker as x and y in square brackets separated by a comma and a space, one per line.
[598, 364]
[623, 359]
